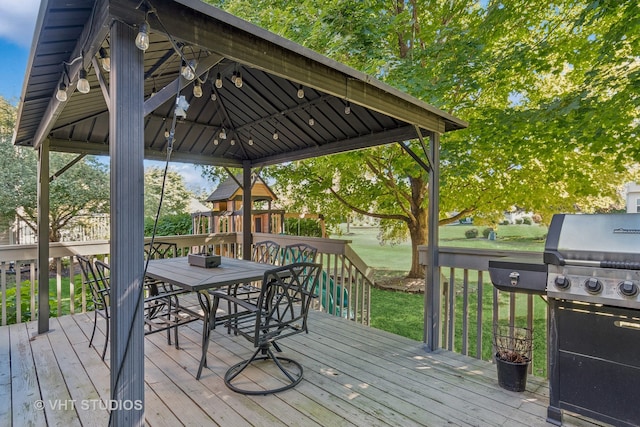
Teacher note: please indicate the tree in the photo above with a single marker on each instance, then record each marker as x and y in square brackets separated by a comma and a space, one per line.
[550, 91]
[176, 196]
[81, 189]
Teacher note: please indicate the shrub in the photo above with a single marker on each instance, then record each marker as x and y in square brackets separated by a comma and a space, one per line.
[505, 222]
[519, 221]
[537, 218]
[169, 225]
[526, 220]
[471, 233]
[486, 232]
[303, 227]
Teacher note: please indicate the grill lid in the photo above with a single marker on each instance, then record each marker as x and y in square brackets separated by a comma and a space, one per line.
[604, 240]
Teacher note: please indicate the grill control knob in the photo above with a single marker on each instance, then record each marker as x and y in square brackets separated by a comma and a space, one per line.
[562, 282]
[628, 288]
[593, 285]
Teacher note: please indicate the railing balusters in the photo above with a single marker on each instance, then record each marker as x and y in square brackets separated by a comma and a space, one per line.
[3, 283]
[59, 285]
[465, 312]
[479, 311]
[452, 308]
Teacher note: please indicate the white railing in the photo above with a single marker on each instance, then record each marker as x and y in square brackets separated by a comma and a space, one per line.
[345, 288]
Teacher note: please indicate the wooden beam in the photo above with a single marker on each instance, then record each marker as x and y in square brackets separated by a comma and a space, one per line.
[66, 167]
[43, 238]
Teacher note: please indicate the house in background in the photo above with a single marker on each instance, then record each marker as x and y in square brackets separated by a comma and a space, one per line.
[633, 197]
[225, 215]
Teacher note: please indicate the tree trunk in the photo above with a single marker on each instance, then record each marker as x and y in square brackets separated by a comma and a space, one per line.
[418, 233]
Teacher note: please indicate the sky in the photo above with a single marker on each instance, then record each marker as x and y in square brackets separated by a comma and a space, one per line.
[17, 23]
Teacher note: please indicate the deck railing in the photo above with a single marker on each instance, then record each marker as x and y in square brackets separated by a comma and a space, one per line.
[345, 288]
[465, 286]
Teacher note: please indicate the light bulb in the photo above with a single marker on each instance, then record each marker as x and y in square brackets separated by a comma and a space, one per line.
[275, 135]
[234, 77]
[166, 133]
[311, 121]
[153, 90]
[214, 96]
[105, 60]
[238, 81]
[188, 70]
[142, 39]
[300, 92]
[223, 134]
[218, 81]
[233, 142]
[250, 141]
[61, 94]
[197, 89]
[347, 108]
[83, 83]
[215, 141]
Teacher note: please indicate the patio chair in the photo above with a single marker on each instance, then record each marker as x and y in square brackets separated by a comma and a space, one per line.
[265, 252]
[281, 311]
[298, 252]
[161, 312]
[99, 295]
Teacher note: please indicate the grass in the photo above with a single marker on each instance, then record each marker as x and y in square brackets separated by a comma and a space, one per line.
[403, 313]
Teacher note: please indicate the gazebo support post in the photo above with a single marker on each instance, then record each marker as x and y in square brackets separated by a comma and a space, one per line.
[126, 149]
[43, 237]
[246, 210]
[432, 326]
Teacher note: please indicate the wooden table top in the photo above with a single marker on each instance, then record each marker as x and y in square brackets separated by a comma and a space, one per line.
[231, 271]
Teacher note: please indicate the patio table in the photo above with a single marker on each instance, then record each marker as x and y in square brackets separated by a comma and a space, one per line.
[231, 271]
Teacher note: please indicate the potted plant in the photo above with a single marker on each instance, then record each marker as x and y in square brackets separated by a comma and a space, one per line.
[513, 355]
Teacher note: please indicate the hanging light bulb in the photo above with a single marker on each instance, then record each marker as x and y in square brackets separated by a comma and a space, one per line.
[166, 133]
[153, 90]
[276, 136]
[197, 89]
[234, 77]
[300, 92]
[105, 61]
[238, 81]
[216, 142]
[250, 140]
[218, 81]
[83, 83]
[223, 134]
[347, 108]
[311, 121]
[188, 69]
[233, 142]
[61, 94]
[142, 39]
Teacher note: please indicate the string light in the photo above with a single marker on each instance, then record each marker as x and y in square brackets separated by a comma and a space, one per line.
[188, 69]
[166, 133]
[218, 81]
[214, 96]
[238, 81]
[83, 83]
[300, 92]
[197, 89]
[223, 134]
[105, 60]
[311, 121]
[142, 39]
[233, 142]
[61, 94]
[347, 108]
[216, 142]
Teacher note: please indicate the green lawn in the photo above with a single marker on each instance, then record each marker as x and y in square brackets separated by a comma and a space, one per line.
[403, 313]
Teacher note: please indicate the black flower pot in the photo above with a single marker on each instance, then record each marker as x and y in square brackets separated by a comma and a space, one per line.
[512, 376]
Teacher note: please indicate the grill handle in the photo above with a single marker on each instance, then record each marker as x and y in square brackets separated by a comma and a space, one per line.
[621, 265]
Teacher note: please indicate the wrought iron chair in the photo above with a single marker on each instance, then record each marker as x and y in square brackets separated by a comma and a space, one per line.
[281, 311]
[298, 252]
[99, 295]
[266, 252]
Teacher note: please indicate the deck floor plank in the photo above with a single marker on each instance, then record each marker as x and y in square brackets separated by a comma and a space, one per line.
[353, 376]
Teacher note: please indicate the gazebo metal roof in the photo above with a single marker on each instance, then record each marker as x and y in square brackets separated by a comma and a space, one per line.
[272, 70]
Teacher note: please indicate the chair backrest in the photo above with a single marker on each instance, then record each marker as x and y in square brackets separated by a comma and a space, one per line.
[266, 252]
[285, 299]
[160, 250]
[298, 252]
[99, 288]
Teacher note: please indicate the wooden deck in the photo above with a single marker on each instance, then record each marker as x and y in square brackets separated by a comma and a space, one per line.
[354, 375]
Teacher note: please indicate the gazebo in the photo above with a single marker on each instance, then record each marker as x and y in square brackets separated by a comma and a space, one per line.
[160, 79]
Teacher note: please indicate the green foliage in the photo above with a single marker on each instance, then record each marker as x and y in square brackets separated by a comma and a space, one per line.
[486, 232]
[169, 225]
[527, 221]
[303, 227]
[176, 196]
[471, 233]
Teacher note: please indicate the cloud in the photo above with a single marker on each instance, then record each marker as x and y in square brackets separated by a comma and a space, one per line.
[18, 20]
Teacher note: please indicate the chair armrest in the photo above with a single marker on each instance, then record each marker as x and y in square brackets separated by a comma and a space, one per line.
[241, 302]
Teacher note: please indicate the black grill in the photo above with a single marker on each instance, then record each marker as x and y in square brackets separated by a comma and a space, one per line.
[590, 274]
